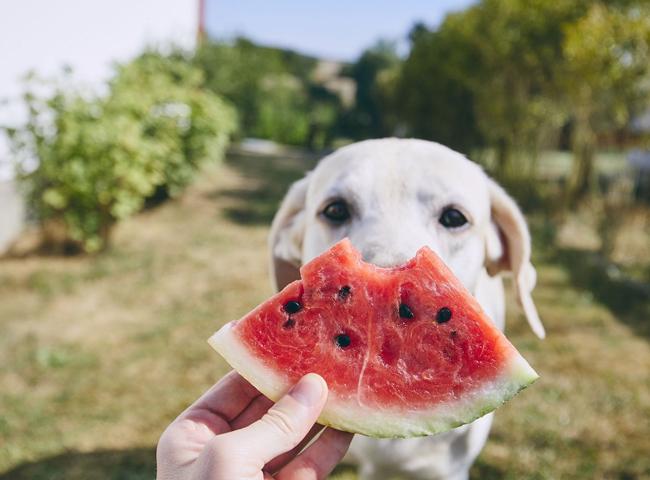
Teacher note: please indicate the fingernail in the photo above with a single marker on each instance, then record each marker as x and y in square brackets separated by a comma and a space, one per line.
[309, 390]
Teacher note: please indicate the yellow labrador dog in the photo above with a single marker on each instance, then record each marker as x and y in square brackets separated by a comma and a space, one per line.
[390, 197]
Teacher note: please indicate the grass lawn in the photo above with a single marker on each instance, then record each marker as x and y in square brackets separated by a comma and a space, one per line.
[553, 164]
[97, 355]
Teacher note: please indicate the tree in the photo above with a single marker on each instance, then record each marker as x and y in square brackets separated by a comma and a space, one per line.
[516, 45]
[373, 73]
[236, 71]
[434, 102]
[282, 114]
[606, 79]
[487, 76]
[324, 107]
[273, 90]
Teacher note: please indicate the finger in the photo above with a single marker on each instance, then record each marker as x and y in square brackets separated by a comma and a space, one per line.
[282, 427]
[207, 417]
[319, 459]
[280, 461]
[227, 399]
[253, 412]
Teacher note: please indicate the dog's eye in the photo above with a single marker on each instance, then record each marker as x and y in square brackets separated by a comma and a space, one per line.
[452, 218]
[337, 211]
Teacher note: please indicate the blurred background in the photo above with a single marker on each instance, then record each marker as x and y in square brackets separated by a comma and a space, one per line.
[145, 146]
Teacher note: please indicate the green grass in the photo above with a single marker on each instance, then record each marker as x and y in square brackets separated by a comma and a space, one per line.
[553, 164]
[98, 354]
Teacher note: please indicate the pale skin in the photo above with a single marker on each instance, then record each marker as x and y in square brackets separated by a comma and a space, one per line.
[235, 432]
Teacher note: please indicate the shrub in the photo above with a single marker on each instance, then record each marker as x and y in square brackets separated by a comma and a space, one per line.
[98, 158]
[282, 115]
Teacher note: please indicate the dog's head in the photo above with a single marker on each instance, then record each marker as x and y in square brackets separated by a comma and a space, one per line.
[390, 197]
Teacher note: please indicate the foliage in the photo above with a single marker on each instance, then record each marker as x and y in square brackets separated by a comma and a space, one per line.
[487, 75]
[324, 109]
[100, 157]
[434, 103]
[605, 79]
[510, 74]
[608, 50]
[272, 90]
[374, 74]
[282, 115]
[236, 71]
[517, 46]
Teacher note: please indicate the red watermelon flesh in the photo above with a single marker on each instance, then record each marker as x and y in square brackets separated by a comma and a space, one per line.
[405, 351]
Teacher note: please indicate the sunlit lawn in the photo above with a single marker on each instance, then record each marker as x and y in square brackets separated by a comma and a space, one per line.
[97, 355]
[555, 163]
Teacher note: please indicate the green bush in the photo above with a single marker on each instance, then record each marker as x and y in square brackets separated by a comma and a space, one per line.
[274, 91]
[282, 115]
[98, 158]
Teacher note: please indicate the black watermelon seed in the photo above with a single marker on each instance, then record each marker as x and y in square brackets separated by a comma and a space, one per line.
[292, 307]
[343, 340]
[405, 311]
[289, 323]
[344, 292]
[443, 315]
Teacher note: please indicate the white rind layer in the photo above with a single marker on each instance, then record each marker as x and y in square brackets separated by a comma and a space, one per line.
[388, 422]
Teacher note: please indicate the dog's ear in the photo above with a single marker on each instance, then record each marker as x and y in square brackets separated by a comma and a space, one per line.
[287, 232]
[508, 248]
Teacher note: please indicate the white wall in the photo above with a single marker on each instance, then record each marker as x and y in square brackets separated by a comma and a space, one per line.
[12, 214]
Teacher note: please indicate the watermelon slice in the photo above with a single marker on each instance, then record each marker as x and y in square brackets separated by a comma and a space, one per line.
[405, 351]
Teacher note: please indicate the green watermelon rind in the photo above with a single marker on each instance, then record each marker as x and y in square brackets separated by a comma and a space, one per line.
[353, 417]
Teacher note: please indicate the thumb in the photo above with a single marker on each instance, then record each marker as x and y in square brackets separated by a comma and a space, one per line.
[285, 424]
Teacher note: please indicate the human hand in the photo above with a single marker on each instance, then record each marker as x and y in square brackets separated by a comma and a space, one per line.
[233, 432]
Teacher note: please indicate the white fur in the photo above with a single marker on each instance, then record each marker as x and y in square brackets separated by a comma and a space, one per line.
[397, 190]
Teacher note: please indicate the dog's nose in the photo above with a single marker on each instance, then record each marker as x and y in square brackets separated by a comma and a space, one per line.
[384, 256]
[393, 244]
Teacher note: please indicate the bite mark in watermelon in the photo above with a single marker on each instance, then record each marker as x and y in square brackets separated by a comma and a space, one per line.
[405, 351]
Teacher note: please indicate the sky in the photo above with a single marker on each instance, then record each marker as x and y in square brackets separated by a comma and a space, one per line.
[334, 29]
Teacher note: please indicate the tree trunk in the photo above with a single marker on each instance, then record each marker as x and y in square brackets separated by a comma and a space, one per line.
[582, 177]
[503, 154]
